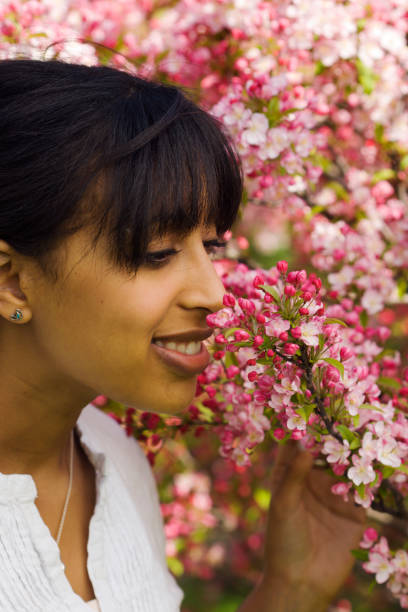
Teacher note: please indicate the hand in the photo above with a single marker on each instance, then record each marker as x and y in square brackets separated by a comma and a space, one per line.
[310, 534]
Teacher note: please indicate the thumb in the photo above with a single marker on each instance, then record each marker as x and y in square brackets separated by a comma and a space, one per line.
[293, 466]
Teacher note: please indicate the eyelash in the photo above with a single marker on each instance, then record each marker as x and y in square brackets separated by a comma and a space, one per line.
[157, 259]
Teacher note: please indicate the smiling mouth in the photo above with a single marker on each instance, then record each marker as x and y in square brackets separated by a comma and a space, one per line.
[185, 352]
[187, 348]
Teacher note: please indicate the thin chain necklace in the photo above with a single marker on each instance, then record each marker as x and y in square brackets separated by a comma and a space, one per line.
[68, 495]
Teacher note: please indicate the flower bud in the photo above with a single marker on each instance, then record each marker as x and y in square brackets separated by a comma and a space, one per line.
[252, 376]
[282, 267]
[290, 291]
[258, 280]
[346, 353]
[279, 433]
[241, 336]
[258, 340]
[296, 332]
[220, 339]
[284, 336]
[228, 300]
[261, 318]
[290, 348]
[303, 311]
[232, 371]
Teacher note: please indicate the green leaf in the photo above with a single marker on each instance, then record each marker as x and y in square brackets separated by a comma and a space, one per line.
[363, 318]
[305, 411]
[379, 132]
[271, 291]
[404, 162]
[366, 77]
[386, 381]
[338, 321]
[387, 471]
[336, 364]
[262, 498]
[175, 566]
[402, 286]
[403, 468]
[273, 113]
[319, 68]
[361, 490]
[315, 210]
[385, 174]
[356, 420]
[370, 407]
[351, 437]
[360, 554]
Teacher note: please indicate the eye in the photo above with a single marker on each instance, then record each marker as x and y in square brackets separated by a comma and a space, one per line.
[156, 259]
[215, 248]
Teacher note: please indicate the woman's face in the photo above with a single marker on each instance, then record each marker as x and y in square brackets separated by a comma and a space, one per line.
[105, 332]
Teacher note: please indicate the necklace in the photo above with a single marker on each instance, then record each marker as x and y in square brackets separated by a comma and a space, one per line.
[68, 495]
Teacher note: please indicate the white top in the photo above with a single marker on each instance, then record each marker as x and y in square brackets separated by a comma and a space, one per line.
[126, 554]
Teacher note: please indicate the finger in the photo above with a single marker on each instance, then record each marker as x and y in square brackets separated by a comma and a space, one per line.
[292, 487]
[284, 459]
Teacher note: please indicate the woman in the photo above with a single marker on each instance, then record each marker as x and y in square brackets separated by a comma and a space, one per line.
[113, 194]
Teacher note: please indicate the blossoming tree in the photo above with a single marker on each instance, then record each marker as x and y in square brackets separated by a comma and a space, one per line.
[314, 97]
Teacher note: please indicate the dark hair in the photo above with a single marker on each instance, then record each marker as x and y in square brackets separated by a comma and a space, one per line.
[93, 145]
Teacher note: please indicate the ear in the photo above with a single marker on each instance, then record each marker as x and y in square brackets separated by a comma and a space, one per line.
[11, 295]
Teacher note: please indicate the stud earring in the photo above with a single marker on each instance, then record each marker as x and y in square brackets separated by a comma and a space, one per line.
[17, 316]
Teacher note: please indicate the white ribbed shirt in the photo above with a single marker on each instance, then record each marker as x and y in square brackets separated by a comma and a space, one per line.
[126, 554]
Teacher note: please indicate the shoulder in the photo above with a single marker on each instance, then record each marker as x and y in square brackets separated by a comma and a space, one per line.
[104, 435]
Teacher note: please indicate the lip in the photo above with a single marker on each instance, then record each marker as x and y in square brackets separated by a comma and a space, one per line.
[186, 365]
[193, 335]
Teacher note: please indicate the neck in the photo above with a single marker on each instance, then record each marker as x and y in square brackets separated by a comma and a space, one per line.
[38, 410]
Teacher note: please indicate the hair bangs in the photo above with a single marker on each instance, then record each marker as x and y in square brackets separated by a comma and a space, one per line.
[186, 175]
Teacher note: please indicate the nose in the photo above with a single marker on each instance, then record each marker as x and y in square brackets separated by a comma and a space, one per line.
[203, 287]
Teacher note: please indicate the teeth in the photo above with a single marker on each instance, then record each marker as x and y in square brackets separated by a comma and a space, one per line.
[189, 348]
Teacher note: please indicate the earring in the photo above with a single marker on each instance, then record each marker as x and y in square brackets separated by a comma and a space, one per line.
[17, 316]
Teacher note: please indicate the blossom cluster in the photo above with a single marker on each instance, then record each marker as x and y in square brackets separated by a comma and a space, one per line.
[289, 365]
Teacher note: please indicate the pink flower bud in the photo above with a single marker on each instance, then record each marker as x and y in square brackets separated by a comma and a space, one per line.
[303, 311]
[296, 332]
[270, 353]
[220, 339]
[218, 355]
[332, 374]
[232, 371]
[252, 375]
[284, 336]
[297, 434]
[246, 305]
[371, 534]
[228, 300]
[260, 318]
[279, 433]
[338, 254]
[100, 400]
[307, 296]
[292, 276]
[282, 267]
[258, 340]
[241, 336]
[290, 291]
[267, 298]
[242, 242]
[290, 348]
[339, 468]
[258, 280]
[346, 353]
